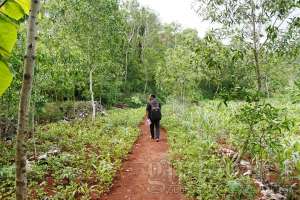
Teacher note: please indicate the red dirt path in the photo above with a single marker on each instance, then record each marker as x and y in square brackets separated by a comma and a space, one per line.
[146, 174]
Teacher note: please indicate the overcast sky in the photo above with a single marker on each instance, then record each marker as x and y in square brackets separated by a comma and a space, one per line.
[179, 11]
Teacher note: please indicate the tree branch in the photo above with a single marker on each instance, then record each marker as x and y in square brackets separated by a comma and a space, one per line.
[283, 20]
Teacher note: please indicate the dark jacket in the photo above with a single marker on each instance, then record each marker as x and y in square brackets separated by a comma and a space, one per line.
[148, 109]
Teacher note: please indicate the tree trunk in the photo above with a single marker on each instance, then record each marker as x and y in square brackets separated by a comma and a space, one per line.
[126, 66]
[127, 52]
[267, 87]
[257, 70]
[33, 128]
[143, 58]
[92, 95]
[255, 49]
[21, 179]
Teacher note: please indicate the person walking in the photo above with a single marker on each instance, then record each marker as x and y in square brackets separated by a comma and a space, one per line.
[154, 116]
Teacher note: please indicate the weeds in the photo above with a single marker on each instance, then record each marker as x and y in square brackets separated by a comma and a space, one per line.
[193, 137]
[89, 156]
[263, 131]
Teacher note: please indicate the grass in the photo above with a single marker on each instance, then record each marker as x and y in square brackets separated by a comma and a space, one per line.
[195, 132]
[90, 155]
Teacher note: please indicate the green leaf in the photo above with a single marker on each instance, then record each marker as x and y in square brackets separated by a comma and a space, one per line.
[5, 77]
[12, 9]
[8, 37]
[25, 4]
[234, 186]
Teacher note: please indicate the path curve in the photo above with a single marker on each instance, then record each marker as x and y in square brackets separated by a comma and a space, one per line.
[146, 174]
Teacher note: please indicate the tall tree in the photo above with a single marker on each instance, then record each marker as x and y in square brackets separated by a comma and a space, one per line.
[257, 22]
[23, 122]
[177, 75]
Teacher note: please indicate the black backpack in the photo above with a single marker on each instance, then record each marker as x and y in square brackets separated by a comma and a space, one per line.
[155, 114]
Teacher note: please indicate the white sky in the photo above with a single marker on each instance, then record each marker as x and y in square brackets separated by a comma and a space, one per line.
[179, 11]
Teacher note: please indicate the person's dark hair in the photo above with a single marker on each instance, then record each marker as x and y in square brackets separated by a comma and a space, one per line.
[153, 96]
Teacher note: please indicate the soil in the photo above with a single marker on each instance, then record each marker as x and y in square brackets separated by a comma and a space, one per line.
[146, 174]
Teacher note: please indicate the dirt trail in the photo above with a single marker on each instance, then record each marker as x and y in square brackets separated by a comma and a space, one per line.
[146, 174]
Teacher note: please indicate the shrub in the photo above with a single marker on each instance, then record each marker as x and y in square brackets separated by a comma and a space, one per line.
[264, 127]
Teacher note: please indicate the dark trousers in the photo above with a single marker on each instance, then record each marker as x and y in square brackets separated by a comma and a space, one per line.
[154, 129]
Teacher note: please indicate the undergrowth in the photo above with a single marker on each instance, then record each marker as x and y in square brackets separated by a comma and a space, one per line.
[195, 135]
[86, 160]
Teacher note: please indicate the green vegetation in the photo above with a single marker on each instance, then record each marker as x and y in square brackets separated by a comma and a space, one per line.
[11, 14]
[75, 159]
[129, 52]
[202, 135]
[233, 123]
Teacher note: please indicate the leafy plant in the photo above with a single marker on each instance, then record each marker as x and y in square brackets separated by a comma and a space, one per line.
[265, 125]
[89, 156]
[11, 14]
[193, 136]
[295, 92]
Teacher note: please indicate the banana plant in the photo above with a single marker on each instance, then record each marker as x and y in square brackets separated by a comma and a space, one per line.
[12, 13]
